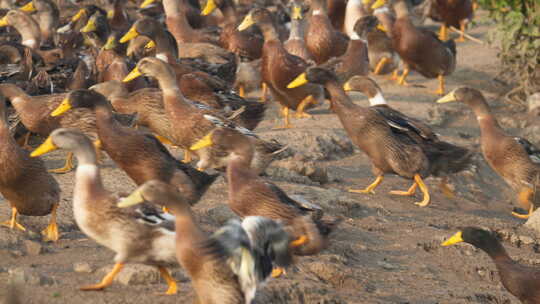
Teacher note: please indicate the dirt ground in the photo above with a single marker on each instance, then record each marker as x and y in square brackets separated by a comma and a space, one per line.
[387, 250]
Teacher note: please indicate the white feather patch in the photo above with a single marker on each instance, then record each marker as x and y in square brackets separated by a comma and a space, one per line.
[377, 100]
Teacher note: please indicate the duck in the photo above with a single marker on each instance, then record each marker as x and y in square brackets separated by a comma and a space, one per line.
[279, 68]
[355, 61]
[187, 121]
[322, 39]
[382, 56]
[30, 33]
[47, 16]
[390, 149]
[252, 195]
[35, 111]
[219, 75]
[296, 44]
[97, 30]
[229, 265]
[191, 8]
[144, 236]
[420, 49]
[139, 154]
[506, 156]
[245, 44]
[80, 19]
[456, 13]
[117, 17]
[25, 183]
[520, 280]
[354, 10]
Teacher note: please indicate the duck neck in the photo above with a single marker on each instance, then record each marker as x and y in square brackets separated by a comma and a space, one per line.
[318, 8]
[353, 12]
[357, 46]
[104, 116]
[239, 172]
[120, 16]
[339, 100]
[297, 29]
[497, 253]
[269, 32]
[401, 9]
[13, 93]
[87, 177]
[164, 48]
[188, 232]
[30, 33]
[173, 99]
[487, 122]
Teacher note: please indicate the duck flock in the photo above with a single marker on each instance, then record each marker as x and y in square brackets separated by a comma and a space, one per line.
[134, 79]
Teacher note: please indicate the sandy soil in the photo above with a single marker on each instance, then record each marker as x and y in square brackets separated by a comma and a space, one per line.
[385, 251]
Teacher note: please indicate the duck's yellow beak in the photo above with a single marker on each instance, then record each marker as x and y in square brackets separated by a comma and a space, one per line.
[204, 142]
[4, 22]
[448, 98]
[347, 87]
[296, 12]
[209, 7]
[378, 4]
[28, 7]
[247, 22]
[132, 75]
[79, 14]
[298, 81]
[146, 3]
[46, 147]
[454, 239]
[366, 2]
[110, 44]
[62, 108]
[381, 28]
[90, 26]
[132, 33]
[150, 45]
[133, 199]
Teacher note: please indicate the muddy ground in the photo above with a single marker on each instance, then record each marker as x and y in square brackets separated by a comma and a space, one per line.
[387, 250]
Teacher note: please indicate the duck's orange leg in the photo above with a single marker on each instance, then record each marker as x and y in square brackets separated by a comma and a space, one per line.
[409, 192]
[68, 165]
[462, 25]
[303, 104]
[443, 32]
[107, 280]
[440, 90]
[371, 188]
[264, 92]
[51, 232]
[403, 79]
[425, 191]
[12, 223]
[171, 282]
[286, 115]
[524, 199]
[380, 65]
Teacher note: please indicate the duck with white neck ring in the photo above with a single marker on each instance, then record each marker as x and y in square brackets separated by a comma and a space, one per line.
[391, 150]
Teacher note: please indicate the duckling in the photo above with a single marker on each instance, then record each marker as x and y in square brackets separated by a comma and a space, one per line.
[390, 150]
[420, 49]
[279, 67]
[520, 280]
[136, 236]
[251, 195]
[25, 183]
[141, 155]
[503, 153]
[322, 39]
[47, 16]
[228, 266]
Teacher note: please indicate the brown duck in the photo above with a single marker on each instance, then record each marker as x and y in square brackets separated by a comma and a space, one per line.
[25, 183]
[322, 39]
[279, 67]
[520, 280]
[503, 153]
[228, 266]
[456, 13]
[251, 195]
[420, 49]
[390, 149]
[141, 155]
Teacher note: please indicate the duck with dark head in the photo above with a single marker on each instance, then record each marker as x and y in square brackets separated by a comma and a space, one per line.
[390, 149]
[520, 280]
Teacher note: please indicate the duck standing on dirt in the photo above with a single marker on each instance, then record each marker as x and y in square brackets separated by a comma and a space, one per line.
[504, 153]
[390, 149]
[25, 183]
[228, 266]
[520, 280]
[456, 13]
[251, 195]
[136, 236]
[420, 49]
